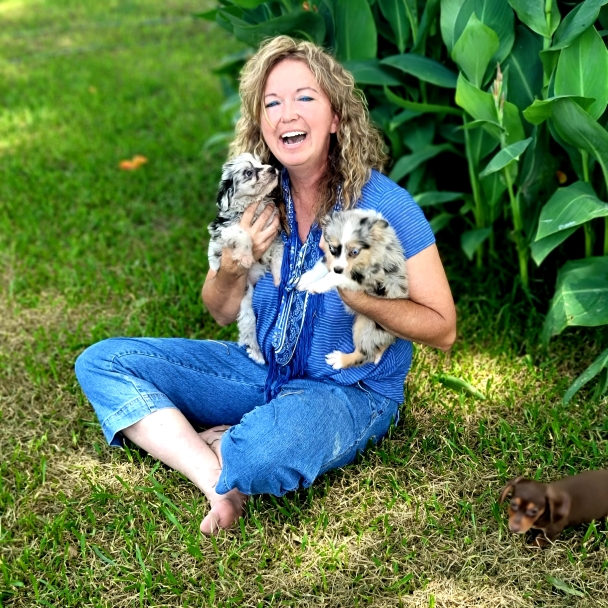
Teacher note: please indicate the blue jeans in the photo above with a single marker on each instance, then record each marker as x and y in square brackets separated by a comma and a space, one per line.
[310, 428]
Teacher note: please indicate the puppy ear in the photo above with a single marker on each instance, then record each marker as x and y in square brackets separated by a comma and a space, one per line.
[559, 504]
[380, 224]
[510, 485]
[224, 194]
[325, 220]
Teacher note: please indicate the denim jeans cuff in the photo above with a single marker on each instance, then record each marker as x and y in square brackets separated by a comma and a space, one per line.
[131, 412]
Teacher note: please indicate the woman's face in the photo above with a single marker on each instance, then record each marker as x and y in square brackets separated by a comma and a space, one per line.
[297, 117]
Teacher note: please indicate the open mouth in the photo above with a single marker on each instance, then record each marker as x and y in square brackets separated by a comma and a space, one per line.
[293, 137]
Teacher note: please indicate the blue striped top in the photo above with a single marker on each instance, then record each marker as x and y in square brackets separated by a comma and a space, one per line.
[333, 329]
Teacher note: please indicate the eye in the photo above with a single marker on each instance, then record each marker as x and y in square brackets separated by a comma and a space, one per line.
[306, 98]
[271, 104]
[332, 250]
[531, 512]
[353, 253]
[514, 505]
[248, 173]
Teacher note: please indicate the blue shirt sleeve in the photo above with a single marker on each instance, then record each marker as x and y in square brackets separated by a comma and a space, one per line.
[400, 210]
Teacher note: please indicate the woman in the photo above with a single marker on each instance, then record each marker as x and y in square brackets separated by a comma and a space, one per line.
[283, 424]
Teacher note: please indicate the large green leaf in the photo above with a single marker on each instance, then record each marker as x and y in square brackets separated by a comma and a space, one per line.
[356, 36]
[395, 12]
[480, 144]
[578, 129]
[369, 71]
[542, 109]
[480, 105]
[506, 156]
[532, 13]
[569, 207]
[470, 240]
[577, 21]
[423, 68]
[601, 363]
[581, 297]
[304, 24]
[440, 221]
[542, 248]
[406, 164]
[536, 175]
[474, 49]
[525, 68]
[497, 15]
[428, 199]
[447, 21]
[422, 108]
[582, 69]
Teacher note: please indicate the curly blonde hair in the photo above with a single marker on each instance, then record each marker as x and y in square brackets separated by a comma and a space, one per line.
[354, 150]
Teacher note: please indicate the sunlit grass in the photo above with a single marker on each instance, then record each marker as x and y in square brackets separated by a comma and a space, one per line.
[88, 251]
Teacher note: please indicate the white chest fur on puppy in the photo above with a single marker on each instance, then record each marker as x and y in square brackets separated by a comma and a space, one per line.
[362, 253]
[245, 180]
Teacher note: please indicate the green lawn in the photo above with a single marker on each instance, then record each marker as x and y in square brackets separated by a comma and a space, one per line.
[89, 251]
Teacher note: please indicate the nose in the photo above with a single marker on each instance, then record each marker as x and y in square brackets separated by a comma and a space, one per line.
[338, 270]
[289, 113]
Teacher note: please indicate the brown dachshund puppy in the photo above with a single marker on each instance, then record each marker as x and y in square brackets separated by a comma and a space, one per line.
[551, 507]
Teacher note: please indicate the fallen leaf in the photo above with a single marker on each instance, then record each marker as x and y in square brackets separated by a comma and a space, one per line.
[135, 163]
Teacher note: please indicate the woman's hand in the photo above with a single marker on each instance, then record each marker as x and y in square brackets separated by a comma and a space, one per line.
[261, 234]
[223, 290]
[428, 316]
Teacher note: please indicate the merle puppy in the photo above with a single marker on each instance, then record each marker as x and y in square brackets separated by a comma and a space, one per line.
[362, 253]
[245, 180]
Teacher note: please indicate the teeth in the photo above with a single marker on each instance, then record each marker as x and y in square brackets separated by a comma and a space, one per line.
[293, 134]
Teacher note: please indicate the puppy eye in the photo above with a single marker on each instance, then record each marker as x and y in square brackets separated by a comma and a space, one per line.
[531, 512]
[248, 173]
[514, 505]
[332, 250]
[353, 253]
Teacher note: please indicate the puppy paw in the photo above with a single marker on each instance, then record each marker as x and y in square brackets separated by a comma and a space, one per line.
[335, 359]
[256, 354]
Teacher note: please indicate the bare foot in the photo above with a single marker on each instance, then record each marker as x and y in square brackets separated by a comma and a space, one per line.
[212, 437]
[224, 513]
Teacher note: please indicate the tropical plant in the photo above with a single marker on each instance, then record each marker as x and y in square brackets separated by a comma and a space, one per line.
[515, 91]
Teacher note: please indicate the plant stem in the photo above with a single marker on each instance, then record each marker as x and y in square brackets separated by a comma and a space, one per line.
[473, 170]
[606, 236]
[585, 158]
[587, 226]
[518, 225]
[547, 42]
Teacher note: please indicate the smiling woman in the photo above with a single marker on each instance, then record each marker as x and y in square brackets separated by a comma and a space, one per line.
[281, 425]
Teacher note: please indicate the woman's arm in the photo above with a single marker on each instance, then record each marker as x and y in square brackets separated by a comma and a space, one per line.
[223, 290]
[427, 317]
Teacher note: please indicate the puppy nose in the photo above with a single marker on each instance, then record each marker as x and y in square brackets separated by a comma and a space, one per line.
[338, 270]
[514, 528]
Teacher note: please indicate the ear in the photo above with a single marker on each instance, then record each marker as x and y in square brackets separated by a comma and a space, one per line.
[335, 123]
[225, 193]
[324, 220]
[510, 485]
[381, 224]
[559, 504]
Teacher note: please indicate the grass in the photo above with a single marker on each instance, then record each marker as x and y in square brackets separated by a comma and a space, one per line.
[88, 251]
